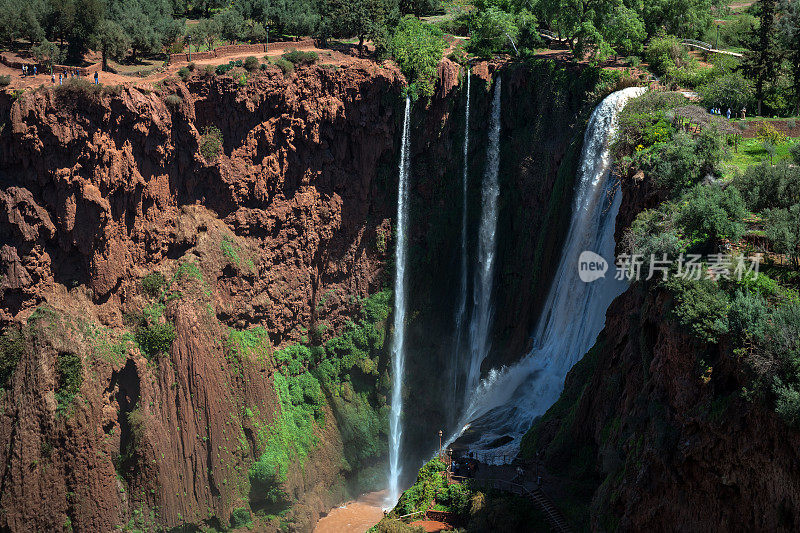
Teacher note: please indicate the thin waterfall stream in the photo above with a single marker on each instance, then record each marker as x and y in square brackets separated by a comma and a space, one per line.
[398, 336]
[480, 324]
[461, 309]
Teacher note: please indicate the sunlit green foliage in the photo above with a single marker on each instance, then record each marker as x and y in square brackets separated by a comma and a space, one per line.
[417, 48]
[69, 370]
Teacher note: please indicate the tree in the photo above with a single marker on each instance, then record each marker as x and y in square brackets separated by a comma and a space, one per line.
[231, 24]
[205, 31]
[365, 19]
[494, 30]
[578, 21]
[625, 32]
[783, 229]
[111, 40]
[686, 18]
[88, 16]
[762, 61]
[47, 53]
[417, 48]
[419, 7]
[730, 90]
[789, 37]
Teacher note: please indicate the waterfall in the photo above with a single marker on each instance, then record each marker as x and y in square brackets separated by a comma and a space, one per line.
[480, 325]
[509, 399]
[398, 337]
[461, 310]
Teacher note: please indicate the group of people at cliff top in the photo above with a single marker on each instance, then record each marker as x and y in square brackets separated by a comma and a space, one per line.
[718, 111]
[32, 70]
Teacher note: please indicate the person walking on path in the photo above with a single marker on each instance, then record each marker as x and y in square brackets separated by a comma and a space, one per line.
[35, 71]
[61, 78]
[729, 113]
[744, 112]
[53, 78]
[96, 78]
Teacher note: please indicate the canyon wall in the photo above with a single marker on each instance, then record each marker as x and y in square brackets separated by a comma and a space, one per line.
[653, 432]
[121, 225]
[194, 294]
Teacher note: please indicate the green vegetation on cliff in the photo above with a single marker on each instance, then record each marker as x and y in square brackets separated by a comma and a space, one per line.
[342, 374]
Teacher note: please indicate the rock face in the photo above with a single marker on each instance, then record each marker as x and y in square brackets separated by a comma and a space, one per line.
[652, 432]
[280, 229]
[212, 211]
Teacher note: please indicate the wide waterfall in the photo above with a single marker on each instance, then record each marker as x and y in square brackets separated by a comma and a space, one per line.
[480, 324]
[461, 309]
[509, 399]
[398, 336]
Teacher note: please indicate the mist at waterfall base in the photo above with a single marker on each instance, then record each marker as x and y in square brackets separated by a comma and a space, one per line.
[509, 399]
[399, 313]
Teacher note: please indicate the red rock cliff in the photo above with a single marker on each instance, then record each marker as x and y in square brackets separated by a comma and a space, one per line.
[281, 229]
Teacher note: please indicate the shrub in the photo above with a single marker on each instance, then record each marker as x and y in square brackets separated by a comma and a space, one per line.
[767, 133]
[184, 73]
[287, 67]
[654, 233]
[701, 307]
[209, 69]
[709, 214]
[795, 151]
[5, 80]
[665, 52]
[173, 101]
[155, 339]
[69, 370]
[12, 347]
[417, 48]
[74, 88]
[783, 229]
[781, 347]
[747, 317]
[420, 496]
[153, 283]
[767, 186]
[251, 63]
[298, 57]
[211, 143]
[240, 517]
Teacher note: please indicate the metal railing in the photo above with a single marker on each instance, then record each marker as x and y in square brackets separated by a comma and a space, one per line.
[708, 47]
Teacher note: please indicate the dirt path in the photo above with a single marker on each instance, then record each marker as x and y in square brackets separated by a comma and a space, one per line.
[326, 56]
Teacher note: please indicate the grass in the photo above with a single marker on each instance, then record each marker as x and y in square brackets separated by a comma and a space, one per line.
[751, 152]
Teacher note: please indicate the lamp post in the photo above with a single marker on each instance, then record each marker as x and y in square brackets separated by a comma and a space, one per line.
[266, 47]
[440, 443]
[189, 43]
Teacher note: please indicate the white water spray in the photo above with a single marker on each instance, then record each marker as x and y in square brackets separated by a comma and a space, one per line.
[398, 337]
[480, 325]
[461, 310]
[508, 400]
